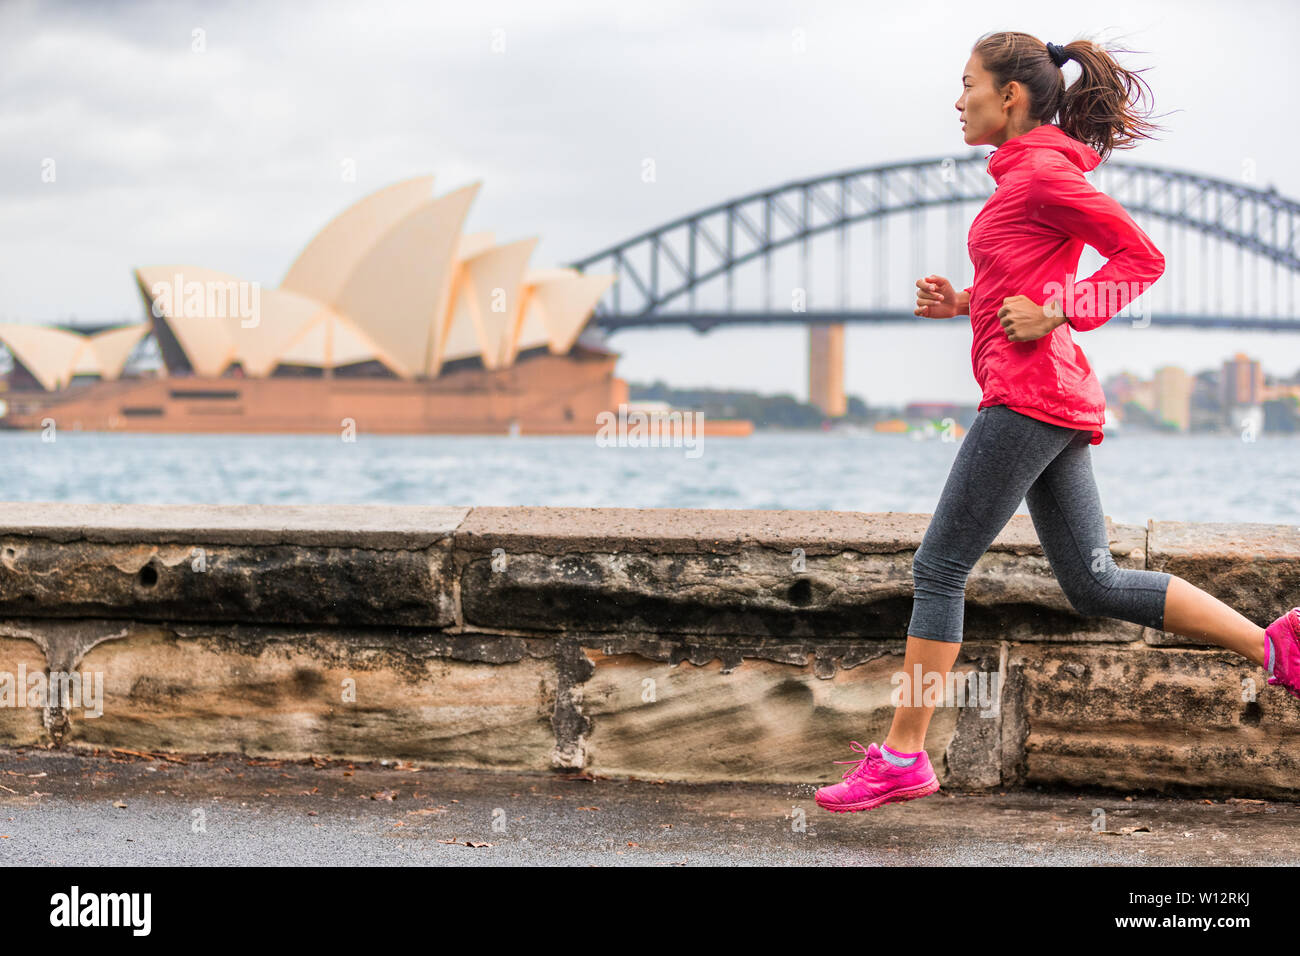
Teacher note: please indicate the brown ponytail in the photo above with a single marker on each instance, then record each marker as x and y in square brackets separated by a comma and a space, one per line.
[1099, 108]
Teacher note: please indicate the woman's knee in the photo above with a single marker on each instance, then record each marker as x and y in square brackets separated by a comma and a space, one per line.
[936, 574]
[1099, 592]
[1090, 601]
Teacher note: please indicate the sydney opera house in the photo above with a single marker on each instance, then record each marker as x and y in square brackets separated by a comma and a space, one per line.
[391, 319]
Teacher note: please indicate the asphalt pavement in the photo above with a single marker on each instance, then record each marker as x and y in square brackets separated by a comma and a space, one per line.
[68, 809]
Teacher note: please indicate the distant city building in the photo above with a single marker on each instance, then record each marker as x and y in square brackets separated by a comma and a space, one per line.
[1145, 395]
[1282, 415]
[1173, 396]
[1281, 391]
[1242, 392]
[1206, 413]
[1119, 388]
[1242, 381]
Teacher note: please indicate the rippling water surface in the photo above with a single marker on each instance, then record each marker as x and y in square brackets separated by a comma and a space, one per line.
[1140, 476]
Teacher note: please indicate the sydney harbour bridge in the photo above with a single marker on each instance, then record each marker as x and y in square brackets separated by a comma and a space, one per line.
[849, 246]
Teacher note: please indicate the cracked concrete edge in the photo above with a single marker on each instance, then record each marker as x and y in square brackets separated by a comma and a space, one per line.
[381, 526]
[540, 529]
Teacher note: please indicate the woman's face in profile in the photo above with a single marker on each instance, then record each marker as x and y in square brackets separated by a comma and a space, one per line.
[980, 106]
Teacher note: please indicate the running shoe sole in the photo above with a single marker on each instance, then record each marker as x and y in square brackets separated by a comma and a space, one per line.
[894, 796]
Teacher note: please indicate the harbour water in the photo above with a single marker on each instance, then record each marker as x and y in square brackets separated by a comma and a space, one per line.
[1140, 476]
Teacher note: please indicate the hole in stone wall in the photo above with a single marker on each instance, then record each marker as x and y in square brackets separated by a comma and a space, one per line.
[1251, 713]
[148, 576]
[801, 591]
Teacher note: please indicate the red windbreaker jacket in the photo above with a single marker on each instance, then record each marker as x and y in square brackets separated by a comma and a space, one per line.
[1027, 241]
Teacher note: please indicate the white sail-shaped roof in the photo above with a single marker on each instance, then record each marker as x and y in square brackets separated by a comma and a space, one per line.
[283, 317]
[402, 285]
[459, 336]
[488, 297]
[456, 336]
[86, 362]
[49, 354]
[322, 269]
[473, 244]
[112, 347]
[531, 331]
[563, 304]
[253, 331]
[54, 356]
[329, 341]
[196, 303]
[392, 278]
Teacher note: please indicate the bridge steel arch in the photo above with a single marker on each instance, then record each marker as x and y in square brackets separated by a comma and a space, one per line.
[753, 226]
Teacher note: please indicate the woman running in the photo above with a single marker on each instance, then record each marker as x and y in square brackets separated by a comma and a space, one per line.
[1042, 405]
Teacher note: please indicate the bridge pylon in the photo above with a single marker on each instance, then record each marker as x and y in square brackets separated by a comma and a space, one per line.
[826, 368]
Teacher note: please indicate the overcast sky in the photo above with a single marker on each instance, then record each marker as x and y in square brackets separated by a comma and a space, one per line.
[230, 156]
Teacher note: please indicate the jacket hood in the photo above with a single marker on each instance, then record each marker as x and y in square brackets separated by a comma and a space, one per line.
[1045, 136]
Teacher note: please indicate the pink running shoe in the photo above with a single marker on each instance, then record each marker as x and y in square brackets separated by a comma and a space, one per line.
[875, 781]
[1285, 635]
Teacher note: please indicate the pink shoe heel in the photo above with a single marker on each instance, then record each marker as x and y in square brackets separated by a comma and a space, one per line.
[1285, 635]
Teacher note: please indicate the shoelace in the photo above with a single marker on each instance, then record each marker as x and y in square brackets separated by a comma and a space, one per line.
[861, 765]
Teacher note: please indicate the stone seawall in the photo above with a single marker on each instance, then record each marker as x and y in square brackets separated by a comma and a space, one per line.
[669, 644]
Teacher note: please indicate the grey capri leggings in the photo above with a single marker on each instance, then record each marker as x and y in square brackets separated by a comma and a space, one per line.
[1006, 457]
